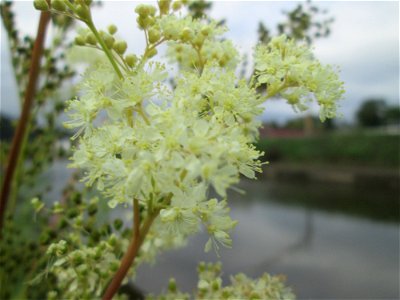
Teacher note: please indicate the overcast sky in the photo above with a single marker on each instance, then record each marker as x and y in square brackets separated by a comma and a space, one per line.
[364, 43]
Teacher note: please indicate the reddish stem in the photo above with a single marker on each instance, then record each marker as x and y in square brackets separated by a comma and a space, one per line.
[131, 254]
[25, 115]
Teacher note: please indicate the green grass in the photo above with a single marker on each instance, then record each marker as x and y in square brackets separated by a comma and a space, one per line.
[354, 149]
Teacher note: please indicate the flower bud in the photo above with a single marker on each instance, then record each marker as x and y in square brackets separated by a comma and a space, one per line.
[112, 29]
[215, 285]
[120, 47]
[108, 40]
[152, 10]
[172, 285]
[52, 295]
[77, 258]
[41, 5]
[154, 35]
[131, 60]
[145, 10]
[186, 34]
[76, 197]
[199, 40]
[163, 5]
[37, 204]
[92, 209]
[205, 30]
[118, 224]
[176, 5]
[141, 22]
[83, 12]
[112, 240]
[91, 39]
[201, 267]
[57, 208]
[58, 5]
[140, 10]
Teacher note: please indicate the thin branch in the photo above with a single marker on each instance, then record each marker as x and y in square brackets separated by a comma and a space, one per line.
[22, 126]
[131, 253]
[133, 249]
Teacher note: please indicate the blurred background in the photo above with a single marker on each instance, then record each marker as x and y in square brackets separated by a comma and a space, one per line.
[325, 212]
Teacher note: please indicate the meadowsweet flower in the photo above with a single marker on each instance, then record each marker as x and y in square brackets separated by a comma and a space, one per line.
[140, 138]
[290, 70]
[210, 286]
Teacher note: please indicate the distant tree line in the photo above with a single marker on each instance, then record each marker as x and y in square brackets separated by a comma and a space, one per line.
[376, 112]
[373, 112]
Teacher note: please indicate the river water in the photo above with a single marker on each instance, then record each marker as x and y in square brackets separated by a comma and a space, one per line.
[347, 248]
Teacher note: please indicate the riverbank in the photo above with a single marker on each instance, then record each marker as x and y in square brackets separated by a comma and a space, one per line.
[378, 177]
[359, 149]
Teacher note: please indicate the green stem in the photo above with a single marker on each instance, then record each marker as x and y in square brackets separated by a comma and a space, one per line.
[105, 48]
[143, 114]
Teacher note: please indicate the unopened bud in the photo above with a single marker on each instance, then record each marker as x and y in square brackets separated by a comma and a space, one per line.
[131, 60]
[109, 40]
[112, 29]
[152, 53]
[186, 34]
[120, 47]
[83, 12]
[58, 5]
[41, 5]
[163, 5]
[176, 5]
[91, 39]
[154, 35]
[37, 204]
[205, 30]
[172, 285]
[145, 10]
[80, 40]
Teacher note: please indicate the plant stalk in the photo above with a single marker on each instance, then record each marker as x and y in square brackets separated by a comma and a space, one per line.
[133, 249]
[23, 123]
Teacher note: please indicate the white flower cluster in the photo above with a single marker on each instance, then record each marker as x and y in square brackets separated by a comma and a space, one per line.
[290, 70]
[84, 273]
[194, 136]
[163, 148]
[194, 43]
[141, 139]
[242, 287]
